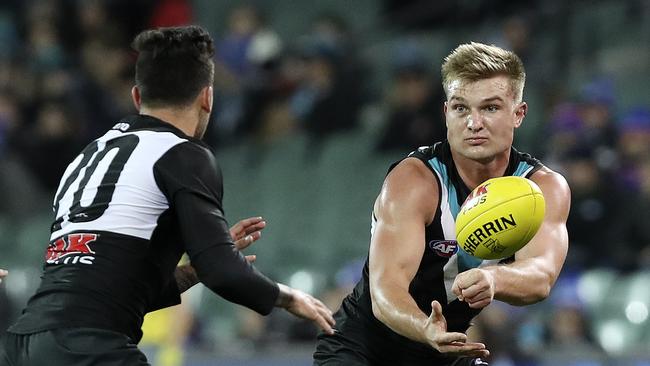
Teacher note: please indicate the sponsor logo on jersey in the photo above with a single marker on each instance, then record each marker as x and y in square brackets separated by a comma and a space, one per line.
[444, 248]
[71, 249]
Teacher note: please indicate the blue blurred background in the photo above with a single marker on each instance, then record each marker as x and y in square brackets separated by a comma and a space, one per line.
[313, 101]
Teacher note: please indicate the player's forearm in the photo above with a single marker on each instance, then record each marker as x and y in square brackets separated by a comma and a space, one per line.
[523, 282]
[186, 277]
[226, 272]
[398, 311]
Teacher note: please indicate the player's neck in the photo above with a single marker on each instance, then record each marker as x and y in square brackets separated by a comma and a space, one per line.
[185, 119]
[474, 172]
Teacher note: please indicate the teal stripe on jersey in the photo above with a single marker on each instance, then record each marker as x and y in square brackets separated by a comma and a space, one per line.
[465, 260]
[522, 168]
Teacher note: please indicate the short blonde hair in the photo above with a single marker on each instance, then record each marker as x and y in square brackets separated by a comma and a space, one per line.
[475, 61]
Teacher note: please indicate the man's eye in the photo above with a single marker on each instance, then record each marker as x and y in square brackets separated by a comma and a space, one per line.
[460, 108]
[492, 108]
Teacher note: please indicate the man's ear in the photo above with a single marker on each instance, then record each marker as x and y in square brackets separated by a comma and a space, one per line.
[444, 109]
[207, 98]
[135, 96]
[520, 113]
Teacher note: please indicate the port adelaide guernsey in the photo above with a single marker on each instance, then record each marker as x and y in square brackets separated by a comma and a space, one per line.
[126, 210]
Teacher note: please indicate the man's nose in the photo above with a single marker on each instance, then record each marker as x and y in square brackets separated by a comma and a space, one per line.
[474, 122]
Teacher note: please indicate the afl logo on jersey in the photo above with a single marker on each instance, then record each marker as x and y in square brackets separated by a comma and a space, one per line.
[444, 248]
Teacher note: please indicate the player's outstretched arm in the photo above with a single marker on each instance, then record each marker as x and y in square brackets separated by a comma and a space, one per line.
[305, 306]
[3, 274]
[243, 233]
[537, 265]
[298, 303]
[435, 330]
[406, 204]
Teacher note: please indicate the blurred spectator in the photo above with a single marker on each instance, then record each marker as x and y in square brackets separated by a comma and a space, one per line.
[569, 332]
[53, 134]
[586, 125]
[93, 18]
[327, 99]
[333, 29]
[631, 225]
[106, 70]
[633, 145]
[514, 35]
[44, 49]
[266, 90]
[518, 33]
[121, 18]
[567, 324]
[20, 197]
[595, 201]
[416, 100]
[244, 22]
[597, 107]
[564, 131]
[246, 74]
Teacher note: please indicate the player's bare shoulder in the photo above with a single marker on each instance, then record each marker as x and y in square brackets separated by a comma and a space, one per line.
[410, 185]
[411, 175]
[554, 186]
[546, 177]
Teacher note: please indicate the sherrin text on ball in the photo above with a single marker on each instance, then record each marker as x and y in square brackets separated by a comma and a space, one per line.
[499, 217]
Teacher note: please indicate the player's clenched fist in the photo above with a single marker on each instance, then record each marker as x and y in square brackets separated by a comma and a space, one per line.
[474, 286]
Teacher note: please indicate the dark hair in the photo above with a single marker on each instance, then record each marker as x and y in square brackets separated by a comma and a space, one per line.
[173, 64]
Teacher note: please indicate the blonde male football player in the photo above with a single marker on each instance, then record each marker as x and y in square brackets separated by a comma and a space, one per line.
[419, 291]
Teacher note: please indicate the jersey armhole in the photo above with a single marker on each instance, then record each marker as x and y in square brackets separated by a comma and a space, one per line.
[534, 170]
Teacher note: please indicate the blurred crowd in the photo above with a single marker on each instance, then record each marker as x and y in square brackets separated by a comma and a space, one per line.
[66, 70]
[606, 159]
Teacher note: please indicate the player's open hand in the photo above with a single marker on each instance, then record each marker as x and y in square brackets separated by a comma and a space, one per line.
[308, 307]
[3, 274]
[246, 232]
[474, 286]
[446, 342]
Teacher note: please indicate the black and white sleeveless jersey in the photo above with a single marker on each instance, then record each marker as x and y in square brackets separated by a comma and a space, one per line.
[442, 260]
[126, 210]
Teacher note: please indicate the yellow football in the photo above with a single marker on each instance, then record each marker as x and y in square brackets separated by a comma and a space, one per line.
[499, 217]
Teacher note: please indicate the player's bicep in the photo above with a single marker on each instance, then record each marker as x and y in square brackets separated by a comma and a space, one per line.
[550, 244]
[402, 211]
[395, 250]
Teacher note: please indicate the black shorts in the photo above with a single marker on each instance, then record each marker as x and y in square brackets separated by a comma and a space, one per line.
[358, 342]
[331, 351]
[71, 347]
